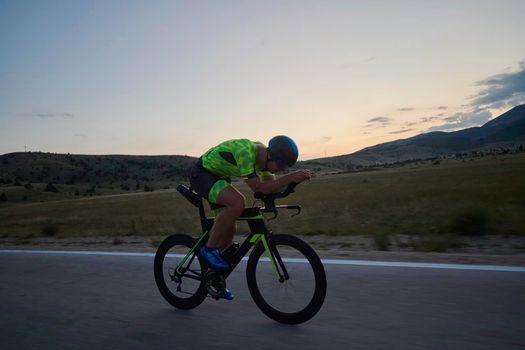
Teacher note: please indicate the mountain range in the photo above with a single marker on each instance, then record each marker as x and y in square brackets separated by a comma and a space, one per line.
[505, 131]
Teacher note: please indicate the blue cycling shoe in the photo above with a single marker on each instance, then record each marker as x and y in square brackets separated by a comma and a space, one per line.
[227, 294]
[214, 258]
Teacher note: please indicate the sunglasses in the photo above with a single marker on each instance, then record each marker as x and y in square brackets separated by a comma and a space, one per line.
[281, 164]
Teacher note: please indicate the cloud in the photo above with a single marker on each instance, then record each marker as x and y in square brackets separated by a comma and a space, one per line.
[378, 121]
[504, 90]
[363, 60]
[38, 115]
[48, 115]
[463, 120]
[430, 119]
[501, 90]
[350, 64]
[82, 136]
[424, 120]
[400, 131]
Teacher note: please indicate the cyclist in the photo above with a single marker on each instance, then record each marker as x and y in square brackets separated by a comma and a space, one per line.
[210, 178]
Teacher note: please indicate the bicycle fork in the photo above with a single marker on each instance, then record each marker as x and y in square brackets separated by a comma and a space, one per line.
[275, 259]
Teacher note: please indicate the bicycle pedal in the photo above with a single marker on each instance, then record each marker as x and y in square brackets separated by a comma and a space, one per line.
[215, 283]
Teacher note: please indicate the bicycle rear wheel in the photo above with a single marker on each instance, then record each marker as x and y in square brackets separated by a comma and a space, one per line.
[184, 289]
[300, 294]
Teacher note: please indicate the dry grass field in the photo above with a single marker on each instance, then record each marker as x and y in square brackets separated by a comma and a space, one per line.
[451, 199]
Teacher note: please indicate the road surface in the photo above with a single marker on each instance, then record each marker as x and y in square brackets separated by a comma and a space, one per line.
[64, 301]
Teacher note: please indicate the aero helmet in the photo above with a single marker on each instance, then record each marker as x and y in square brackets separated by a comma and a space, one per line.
[283, 149]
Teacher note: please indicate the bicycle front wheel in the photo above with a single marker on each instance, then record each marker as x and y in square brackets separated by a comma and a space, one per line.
[293, 289]
[181, 284]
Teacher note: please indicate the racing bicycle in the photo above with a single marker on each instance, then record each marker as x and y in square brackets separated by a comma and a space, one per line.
[285, 276]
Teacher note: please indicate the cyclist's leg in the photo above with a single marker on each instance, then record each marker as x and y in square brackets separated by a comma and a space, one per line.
[223, 230]
[211, 186]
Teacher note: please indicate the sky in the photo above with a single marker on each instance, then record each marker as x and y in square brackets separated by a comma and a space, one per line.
[178, 77]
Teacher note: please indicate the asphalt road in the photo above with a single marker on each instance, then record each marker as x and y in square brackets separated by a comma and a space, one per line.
[112, 302]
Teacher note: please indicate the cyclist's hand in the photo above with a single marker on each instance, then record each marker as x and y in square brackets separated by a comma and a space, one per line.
[300, 176]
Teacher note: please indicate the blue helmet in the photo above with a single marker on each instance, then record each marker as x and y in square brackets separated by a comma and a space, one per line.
[283, 149]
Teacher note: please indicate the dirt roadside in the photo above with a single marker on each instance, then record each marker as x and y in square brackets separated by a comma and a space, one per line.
[490, 250]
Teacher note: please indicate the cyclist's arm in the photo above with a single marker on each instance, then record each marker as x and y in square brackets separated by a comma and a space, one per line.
[267, 176]
[267, 186]
[274, 185]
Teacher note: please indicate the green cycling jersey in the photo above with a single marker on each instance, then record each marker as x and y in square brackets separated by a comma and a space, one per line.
[234, 158]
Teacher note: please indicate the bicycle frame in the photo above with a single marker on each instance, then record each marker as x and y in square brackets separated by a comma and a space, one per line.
[258, 231]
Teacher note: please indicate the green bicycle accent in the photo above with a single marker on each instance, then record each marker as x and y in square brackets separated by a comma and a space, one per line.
[190, 252]
[255, 237]
[243, 218]
[270, 256]
[257, 217]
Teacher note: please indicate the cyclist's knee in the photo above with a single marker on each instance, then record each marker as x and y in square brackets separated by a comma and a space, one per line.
[233, 200]
[238, 205]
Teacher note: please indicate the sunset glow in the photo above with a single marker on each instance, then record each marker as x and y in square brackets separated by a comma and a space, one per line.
[177, 77]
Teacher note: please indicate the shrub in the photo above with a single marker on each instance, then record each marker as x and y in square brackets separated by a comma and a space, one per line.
[50, 188]
[438, 244]
[133, 228]
[28, 186]
[3, 197]
[91, 191]
[117, 241]
[155, 242]
[471, 222]
[382, 241]
[50, 229]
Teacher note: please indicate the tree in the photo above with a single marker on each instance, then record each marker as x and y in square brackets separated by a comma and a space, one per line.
[3, 197]
[91, 191]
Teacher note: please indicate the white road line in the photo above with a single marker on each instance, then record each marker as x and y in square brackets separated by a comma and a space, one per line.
[325, 261]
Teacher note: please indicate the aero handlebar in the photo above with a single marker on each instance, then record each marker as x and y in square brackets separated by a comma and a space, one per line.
[269, 200]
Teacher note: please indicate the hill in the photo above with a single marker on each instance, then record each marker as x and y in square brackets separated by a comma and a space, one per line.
[504, 132]
[128, 171]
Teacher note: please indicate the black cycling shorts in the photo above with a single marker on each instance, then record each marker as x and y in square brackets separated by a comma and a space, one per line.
[206, 183]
